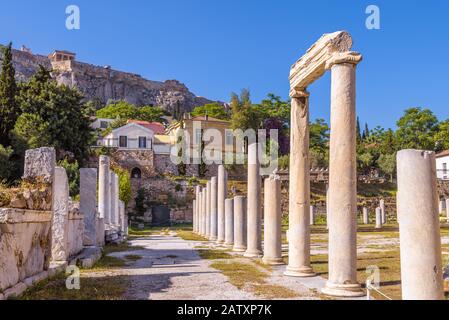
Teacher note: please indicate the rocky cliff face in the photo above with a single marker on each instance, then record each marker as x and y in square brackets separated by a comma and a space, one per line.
[103, 84]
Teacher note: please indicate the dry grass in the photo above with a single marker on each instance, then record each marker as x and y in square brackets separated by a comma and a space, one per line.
[133, 257]
[214, 254]
[121, 247]
[190, 236]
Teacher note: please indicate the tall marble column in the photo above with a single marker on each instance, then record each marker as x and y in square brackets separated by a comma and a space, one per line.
[419, 226]
[229, 222]
[193, 215]
[327, 207]
[207, 234]
[104, 190]
[299, 188]
[254, 215]
[88, 204]
[114, 199]
[203, 212]
[343, 179]
[213, 209]
[384, 213]
[378, 218]
[240, 224]
[221, 197]
[272, 221]
[365, 215]
[197, 209]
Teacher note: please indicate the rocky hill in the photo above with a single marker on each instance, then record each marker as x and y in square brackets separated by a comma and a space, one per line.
[103, 83]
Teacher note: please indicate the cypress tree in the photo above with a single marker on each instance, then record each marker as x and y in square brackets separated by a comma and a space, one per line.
[359, 135]
[8, 90]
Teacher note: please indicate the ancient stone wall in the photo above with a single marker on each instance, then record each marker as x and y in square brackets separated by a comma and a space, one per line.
[103, 84]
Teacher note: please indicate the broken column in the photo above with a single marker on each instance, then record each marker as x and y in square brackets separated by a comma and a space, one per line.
[272, 221]
[194, 215]
[104, 190]
[312, 215]
[122, 218]
[365, 215]
[213, 209]
[60, 223]
[229, 222]
[378, 218]
[419, 226]
[240, 224]
[88, 204]
[221, 197]
[343, 178]
[299, 188]
[197, 209]
[254, 241]
[384, 213]
[442, 206]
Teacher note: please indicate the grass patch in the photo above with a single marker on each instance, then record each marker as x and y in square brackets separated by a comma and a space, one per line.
[91, 288]
[273, 291]
[214, 254]
[190, 236]
[133, 257]
[121, 247]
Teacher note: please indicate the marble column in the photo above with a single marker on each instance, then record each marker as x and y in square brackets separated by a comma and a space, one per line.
[207, 234]
[213, 209]
[203, 212]
[419, 226]
[240, 224]
[122, 218]
[442, 205]
[193, 215]
[197, 209]
[365, 215]
[384, 213]
[114, 199]
[104, 190]
[342, 280]
[327, 206]
[378, 218]
[221, 197]
[447, 209]
[88, 204]
[312, 215]
[60, 221]
[254, 214]
[272, 251]
[299, 188]
[229, 222]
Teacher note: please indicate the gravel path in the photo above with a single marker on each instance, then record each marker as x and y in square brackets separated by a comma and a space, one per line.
[171, 269]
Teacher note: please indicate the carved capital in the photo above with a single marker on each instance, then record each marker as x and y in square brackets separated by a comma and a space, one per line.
[344, 57]
[296, 93]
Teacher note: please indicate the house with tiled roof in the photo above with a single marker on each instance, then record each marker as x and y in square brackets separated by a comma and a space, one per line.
[442, 165]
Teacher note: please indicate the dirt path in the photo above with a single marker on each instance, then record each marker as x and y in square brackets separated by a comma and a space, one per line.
[170, 268]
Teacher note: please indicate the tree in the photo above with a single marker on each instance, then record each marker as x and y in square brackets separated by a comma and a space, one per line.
[5, 164]
[387, 163]
[365, 161]
[73, 175]
[60, 118]
[127, 111]
[121, 109]
[9, 110]
[416, 129]
[214, 110]
[442, 136]
[244, 114]
[358, 133]
[141, 202]
[124, 180]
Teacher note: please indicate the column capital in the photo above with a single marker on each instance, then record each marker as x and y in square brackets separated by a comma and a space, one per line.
[299, 93]
[344, 57]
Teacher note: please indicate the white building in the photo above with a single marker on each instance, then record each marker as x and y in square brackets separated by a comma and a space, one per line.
[130, 136]
[443, 165]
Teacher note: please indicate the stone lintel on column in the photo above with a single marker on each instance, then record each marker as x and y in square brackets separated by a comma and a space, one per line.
[351, 57]
[299, 93]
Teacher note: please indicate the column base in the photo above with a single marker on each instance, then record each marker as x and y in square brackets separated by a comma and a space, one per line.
[228, 244]
[273, 261]
[239, 249]
[343, 290]
[220, 241]
[302, 272]
[253, 254]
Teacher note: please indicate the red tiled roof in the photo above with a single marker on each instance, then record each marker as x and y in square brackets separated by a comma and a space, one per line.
[442, 154]
[156, 127]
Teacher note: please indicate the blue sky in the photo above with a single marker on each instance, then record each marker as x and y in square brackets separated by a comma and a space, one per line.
[217, 47]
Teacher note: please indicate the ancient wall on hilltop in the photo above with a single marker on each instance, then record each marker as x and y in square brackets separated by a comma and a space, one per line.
[104, 84]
